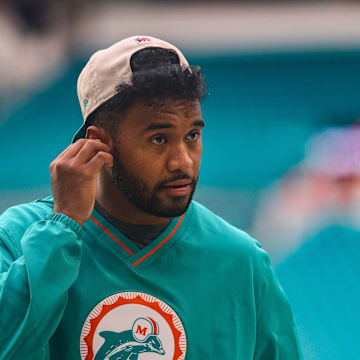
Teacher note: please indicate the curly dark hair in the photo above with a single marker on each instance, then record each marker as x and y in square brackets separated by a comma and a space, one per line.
[157, 75]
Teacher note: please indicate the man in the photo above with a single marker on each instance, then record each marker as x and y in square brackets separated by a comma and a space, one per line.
[120, 263]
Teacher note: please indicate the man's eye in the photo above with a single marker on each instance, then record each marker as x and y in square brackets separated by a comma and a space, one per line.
[193, 136]
[158, 140]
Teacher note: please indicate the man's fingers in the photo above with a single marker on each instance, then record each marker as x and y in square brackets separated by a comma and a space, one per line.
[84, 155]
[99, 160]
[72, 149]
[90, 149]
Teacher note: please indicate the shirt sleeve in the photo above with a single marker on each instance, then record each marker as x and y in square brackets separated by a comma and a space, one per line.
[276, 335]
[33, 286]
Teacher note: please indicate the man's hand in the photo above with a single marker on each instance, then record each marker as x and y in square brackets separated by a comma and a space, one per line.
[74, 174]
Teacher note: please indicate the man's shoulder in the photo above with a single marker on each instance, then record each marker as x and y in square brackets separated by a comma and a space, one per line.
[15, 220]
[222, 236]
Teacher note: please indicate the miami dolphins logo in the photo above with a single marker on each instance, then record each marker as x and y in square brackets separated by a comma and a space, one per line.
[130, 343]
[132, 326]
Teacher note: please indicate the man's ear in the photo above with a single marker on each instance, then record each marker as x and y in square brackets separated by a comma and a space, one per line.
[93, 132]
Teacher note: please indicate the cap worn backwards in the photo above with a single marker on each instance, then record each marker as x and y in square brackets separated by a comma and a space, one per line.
[109, 68]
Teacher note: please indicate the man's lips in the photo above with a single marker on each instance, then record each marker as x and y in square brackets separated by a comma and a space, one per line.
[178, 183]
[178, 187]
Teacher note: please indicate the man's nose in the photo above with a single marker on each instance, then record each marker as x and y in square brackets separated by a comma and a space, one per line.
[179, 158]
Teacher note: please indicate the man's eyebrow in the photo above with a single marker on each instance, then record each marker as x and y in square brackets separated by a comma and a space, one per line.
[198, 123]
[160, 125]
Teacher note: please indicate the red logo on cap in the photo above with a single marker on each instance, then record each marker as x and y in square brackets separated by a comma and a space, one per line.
[142, 40]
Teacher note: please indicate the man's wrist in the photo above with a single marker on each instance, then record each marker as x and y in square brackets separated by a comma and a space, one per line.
[80, 221]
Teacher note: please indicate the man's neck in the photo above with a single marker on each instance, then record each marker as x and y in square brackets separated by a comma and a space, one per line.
[141, 235]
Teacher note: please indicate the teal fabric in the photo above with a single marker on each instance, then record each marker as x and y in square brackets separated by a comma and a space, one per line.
[215, 277]
[39, 262]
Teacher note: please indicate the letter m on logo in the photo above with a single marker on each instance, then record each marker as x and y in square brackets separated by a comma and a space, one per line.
[141, 331]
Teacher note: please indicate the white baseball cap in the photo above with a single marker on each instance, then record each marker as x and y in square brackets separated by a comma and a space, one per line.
[109, 68]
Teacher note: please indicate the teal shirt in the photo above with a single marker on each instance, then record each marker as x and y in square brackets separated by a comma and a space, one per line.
[201, 290]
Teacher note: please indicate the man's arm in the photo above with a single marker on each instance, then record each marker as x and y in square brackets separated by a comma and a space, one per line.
[33, 287]
[35, 281]
[276, 335]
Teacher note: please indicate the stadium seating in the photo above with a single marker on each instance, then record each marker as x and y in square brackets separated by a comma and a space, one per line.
[321, 281]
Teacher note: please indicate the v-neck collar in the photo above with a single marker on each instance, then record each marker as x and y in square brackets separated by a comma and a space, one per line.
[128, 251]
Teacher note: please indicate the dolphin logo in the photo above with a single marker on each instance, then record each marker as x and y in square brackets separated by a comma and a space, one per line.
[128, 344]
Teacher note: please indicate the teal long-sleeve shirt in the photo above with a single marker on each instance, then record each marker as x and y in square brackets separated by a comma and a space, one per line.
[202, 289]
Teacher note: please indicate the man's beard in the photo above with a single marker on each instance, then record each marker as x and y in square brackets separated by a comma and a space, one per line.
[149, 200]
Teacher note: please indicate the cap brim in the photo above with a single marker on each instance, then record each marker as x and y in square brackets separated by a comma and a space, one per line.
[80, 134]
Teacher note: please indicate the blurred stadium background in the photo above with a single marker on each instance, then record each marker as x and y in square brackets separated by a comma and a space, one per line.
[282, 141]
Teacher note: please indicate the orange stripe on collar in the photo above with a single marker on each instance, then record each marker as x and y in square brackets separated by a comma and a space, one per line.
[161, 244]
[111, 235]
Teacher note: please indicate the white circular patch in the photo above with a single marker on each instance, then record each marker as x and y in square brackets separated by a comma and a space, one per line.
[129, 324]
